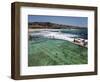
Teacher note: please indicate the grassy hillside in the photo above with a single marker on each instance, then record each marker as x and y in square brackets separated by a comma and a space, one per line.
[55, 52]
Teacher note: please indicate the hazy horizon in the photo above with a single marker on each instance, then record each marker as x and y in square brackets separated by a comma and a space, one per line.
[65, 20]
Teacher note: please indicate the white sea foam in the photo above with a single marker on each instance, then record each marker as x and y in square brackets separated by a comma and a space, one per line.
[55, 35]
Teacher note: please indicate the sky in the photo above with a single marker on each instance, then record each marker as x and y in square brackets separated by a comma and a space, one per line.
[66, 20]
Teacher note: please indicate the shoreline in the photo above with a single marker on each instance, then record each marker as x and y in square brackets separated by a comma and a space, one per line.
[62, 36]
